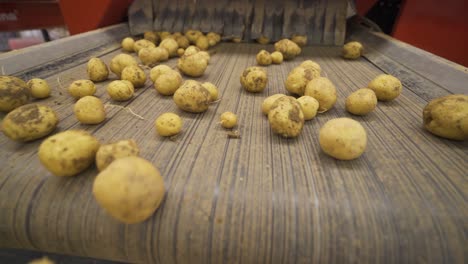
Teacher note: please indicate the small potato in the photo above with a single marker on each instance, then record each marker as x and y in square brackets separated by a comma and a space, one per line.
[228, 120]
[135, 75]
[170, 45]
[313, 66]
[68, 153]
[254, 79]
[127, 44]
[386, 87]
[263, 40]
[202, 43]
[211, 41]
[237, 40]
[192, 65]
[300, 40]
[288, 48]
[168, 83]
[120, 90]
[151, 56]
[119, 62]
[29, 122]
[212, 89]
[277, 57]
[190, 50]
[205, 55]
[168, 124]
[13, 93]
[142, 43]
[309, 106]
[352, 50]
[107, 153]
[39, 88]
[343, 138]
[97, 70]
[298, 79]
[447, 117]
[130, 189]
[361, 102]
[192, 97]
[89, 110]
[268, 102]
[264, 58]
[43, 260]
[182, 42]
[151, 36]
[81, 88]
[324, 91]
[192, 35]
[180, 52]
[158, 71]
[286, 117]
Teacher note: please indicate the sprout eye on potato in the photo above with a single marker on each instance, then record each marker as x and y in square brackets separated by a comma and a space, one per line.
[135, 75]
[343, 138]
[97, 70]
[192, 65]
[276, 57]
[81, 88]
[14, 93]
[107, 153]
[254, 79]
[228, 120]
[286, 117]
[142, 43]
[309, 106]
[39, 88]
[298, 79]
[264, 58]
[361, 102]
[324, 91]
[119, 62]
[120, 90]
[127, 44]
[192, 97]
[29, 122]
[352, 50]
[386, 87]
[168, 124]
[268, 102]
[89, 110]
[288, 48]
[168, 83]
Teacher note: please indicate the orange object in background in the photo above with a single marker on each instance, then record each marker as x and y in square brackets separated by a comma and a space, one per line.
[22, 15]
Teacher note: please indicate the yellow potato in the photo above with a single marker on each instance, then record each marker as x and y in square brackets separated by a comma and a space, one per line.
[97, 70]
[180, 52]
[192, 65]
[29, 122]
[202, 42]
[151, 36]
[13, 93]
[212, 89]
[313, 66]
[237, 40]
[127, 44]
[286, 117]
[107, 153]
[298, 79]
[177, 34]
[170, 45]
[343, 138]
[182, 42]
[119, 62]
[192, 35]
[192, 97]
[164, 35]
[254, 79]
[151, 56]
[68, 153]
[43, 260]
[361, 102]
[39, 88]
[309, 106]
[300, 40]
[130, 189]
[120, 90]
[386, 87]
[352, 50]
[324, 91]
[190, 50]
[168, 83]
[215, 36]
[263, 40]
[205, 55]
[277, 57]
[89, 110]
[228, 120]
[268, 102]
[142, 43]
[158, 71]
[168, 124]
[81, 88]
[447, 117]
[264, 58]
[135, 75]
[288, 48]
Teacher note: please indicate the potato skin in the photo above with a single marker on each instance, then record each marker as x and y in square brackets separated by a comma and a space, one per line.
[135, 75]
[29, 122]
[361, 102]
[97, 70]
[276, 57]
[192, 97]
[38, 88]
[130, 189]
[300, 40]
[151, 36]
[212, 89]
[298, 79]
[151, 56]
[254, 79]
[158, 71]
[182, 42]
[343, 138]
[386, 87]
[324, 91]
[170, 45]
[68, 153]
[13, 93]
[202, 43]
[352, 50]
[288, 48]
[313, 66]
[120, 90]
[192, 65]
[168, 83]
[309, 106]
[286, 117]
[268, 102]
[89, 110]
[107, 153]
[127, 44]
[264, 58]
[168, 124]
[81, 88]
[228, 120]
[142, 43]
[447, 117]
[263, 40]
[119, 62]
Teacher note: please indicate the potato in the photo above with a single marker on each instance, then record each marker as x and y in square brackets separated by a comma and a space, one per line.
[170, 45]
[313, 66]
[127, 44]
[130, 189]
[228, 120]
[81, 88]
[268, 102]
[277, 57]
[151, 56]
[300, 40]
[38, 88]
[192, 97]
[180, 52]
[89, 110]
[343, 138]
[263, 40]
[309, 106]
[120, 90]
[190, 50]
[211, 42]
[192, 65]
[68, 153]
[135, 75]
[212, 89]
[168, 83]
[324, 91]
[13, 93]
[43, 260]
[177, 34]
[142, 43]
[164, 35]
[151, 36]
[158, 71]
[264, 58]
[97, 70]
[386, 87]
[119, 62]
[168, 124]
[192, 35]
[107, 153]
[447, 117]
[298, 79]
[182, 42]
[215, 36]
[202, 42]
[254, 79]
[29, 122]
[352, 50]
[205, 55]
[237, 40]
[288, 48]
[286, 117]
[361, 102]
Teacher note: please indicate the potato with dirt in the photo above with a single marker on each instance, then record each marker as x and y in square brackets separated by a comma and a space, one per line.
[135, 75]
[97, 70]
[119, 62]
[386, 87]
[288, 48]
[81, 88]
[182, 42]
[298, 79]
[152, 56]
[264, 58]
[151, 36]
[212, 89]
[286, 117]
[107, 153]
[192, 35]
[89, 110]
[324, 91]
[254, 79]
[343, 138]
[192, 97]
[309, 106]
[168, 83]
[447, 117]
[68, 153]
[192, 65]
[142, 43]
[352, 50]
[14, 93]
[120, 90]
[361, 102]
[313, 66]
[269, 101]
[29, 122]
[38, 88]
[168, 124]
